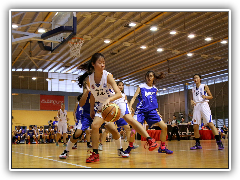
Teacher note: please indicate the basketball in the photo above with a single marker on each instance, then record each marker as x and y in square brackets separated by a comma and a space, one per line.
[111, 112]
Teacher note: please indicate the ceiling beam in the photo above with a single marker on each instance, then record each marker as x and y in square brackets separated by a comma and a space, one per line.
[143, 25]
[171, 58]
[45, 19]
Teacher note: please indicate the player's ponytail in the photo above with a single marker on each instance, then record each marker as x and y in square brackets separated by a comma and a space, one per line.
[160, 76]
[88, 67]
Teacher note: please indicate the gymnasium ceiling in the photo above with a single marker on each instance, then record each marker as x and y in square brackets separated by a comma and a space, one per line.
[130, 63]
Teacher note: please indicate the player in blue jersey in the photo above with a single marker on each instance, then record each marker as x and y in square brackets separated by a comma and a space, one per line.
[82, 122]
[41, 134]
[147, 109]
[31, 135]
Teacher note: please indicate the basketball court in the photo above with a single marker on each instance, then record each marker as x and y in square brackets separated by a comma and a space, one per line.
[47, 156]
[178, 43]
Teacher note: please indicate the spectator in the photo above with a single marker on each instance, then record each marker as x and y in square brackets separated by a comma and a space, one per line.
[182, 120]
[169, 121]
[225, 129]
[41, 135]
[31, 135]
[55, 122]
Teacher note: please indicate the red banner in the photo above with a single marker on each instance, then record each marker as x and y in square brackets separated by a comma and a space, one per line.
[51, 102]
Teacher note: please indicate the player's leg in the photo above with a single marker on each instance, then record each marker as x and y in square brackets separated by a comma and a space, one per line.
[88, 138]
[96, 124]
[207, 119]
[103, 135]
[152, 117]
[196, 121]
[64, 130]
[110, 126]
[128, 131]
[140, 129]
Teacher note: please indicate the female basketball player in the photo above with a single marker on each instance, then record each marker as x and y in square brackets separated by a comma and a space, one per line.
[147, 109]
[103, 91]
[121, 122]
[83, 115]
[201, 96]
[62, 125]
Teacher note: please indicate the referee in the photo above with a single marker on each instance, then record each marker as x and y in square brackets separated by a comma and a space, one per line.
[174, 128]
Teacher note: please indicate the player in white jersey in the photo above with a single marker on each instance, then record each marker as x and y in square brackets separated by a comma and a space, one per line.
[103, 91]
[201, 95]
[62, 125]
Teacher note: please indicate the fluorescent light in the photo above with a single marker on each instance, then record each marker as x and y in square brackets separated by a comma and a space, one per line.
[173, 32]
[208, 39]
[73, 81]
[107, 41]
[191, 35]
[13, 69]
[33, 70]
[39, 70]
[154, 28]
[132, 24]
[160, 49]
[48, 79]
[164, 89]
[189, 54]
[34, 78]
[41, 30]
[143, 47]
[19, 70]
[26, 70]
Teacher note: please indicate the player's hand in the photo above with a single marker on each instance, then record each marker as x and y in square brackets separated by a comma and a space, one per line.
[203, 96]
[88, 89]
[193, 103]
[75, 120]
[105, 103]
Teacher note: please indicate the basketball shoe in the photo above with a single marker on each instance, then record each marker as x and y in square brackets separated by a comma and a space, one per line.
[128, 150]
[220, 145]
[151, 144]
[122, 153]
[92, 158]
[100, 147]
[74, 147]
[165, 150]
[197, 146]
[64, 155]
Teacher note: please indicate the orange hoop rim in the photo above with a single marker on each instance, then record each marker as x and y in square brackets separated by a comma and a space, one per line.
[75, 38]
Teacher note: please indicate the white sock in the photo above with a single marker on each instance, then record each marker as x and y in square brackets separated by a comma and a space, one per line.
[118, 143]
[69, 145]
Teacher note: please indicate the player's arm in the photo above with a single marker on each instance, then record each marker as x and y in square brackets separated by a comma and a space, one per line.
[74, 112]
[134, 97]
[112, 82]
[92, 103]
[86, 91]
[206, 88]
[192, 101]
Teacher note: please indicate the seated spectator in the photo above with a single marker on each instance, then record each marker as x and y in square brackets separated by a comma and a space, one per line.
[41, 135]
[31, 135]
[182, 120]
[225, 130]
[55, 122]
[169, 121]
[18, 134]
[55, 131]
[69, 132]
[49, 135]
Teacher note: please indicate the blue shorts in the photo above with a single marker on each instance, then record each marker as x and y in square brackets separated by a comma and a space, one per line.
[83, 123]
[151, 117]
[120, 122]
[86, 122]
[31, 135]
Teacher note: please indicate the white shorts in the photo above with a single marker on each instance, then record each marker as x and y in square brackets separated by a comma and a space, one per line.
[62, 127]
[122, 105]
[202, 110]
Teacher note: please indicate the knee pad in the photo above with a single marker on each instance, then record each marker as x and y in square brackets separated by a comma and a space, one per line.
[74, 137]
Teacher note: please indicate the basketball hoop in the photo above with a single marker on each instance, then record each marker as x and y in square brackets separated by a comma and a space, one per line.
[75, 45]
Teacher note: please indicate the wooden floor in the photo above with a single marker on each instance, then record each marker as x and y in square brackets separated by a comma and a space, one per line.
[47, 156]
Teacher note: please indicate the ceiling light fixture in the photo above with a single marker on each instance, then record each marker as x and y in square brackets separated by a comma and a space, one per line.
[107, 41]
[164, 89]
[14, 26]
[208, 39]
[73, 81]
[189, 54]
[41, 30]
[154, 28]
[34, 78]
[224, 41]
[160, 49]
[173, 32]
[132, 24]
[143, 47]
[191, 36]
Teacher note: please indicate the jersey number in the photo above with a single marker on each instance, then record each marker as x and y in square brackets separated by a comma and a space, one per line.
[99, 92]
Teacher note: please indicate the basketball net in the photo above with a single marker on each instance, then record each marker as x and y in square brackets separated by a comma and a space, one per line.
[75, 45]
